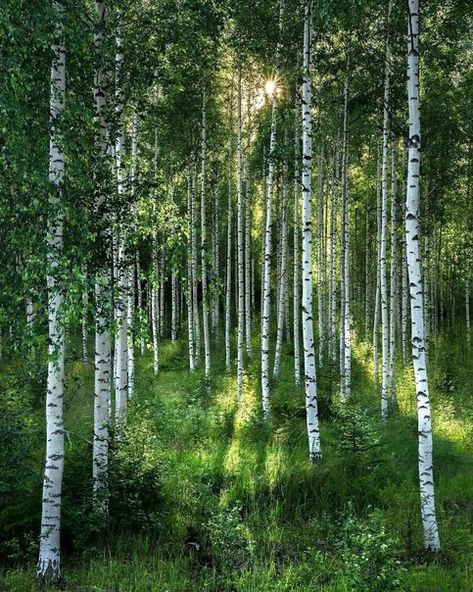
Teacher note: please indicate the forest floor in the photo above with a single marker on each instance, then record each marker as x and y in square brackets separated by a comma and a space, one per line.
[205, 497]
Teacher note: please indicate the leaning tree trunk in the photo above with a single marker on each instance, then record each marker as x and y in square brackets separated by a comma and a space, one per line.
[48, 567]
[315, 450]
[426, 477]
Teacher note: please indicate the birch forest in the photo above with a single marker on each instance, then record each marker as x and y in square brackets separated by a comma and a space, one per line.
[235, 274]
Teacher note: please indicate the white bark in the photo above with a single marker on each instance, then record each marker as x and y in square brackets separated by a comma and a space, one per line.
[426, 478]
[102, 290]
[265, 314]
[282, 275]
[228, 286]
[315, 450]
[240, 245]
[190, 312]
[345, 349]
[393, 283]
[377, 285]
[195, 302]
[174, 304]
[384, 225]
[247, 258]
[121, 378]
[467, 311]
[85, 323]
[48, 567]
[296, 290]
[333, 258]
[203, 242]
[131, 293]
[320, 255]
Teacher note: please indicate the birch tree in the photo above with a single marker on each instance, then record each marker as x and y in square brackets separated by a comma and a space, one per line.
[313, 432]
[49, 562]
[203, 241]
[102, 280]
[426, 478]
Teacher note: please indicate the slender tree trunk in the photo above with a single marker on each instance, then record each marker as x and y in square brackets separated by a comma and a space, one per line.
[333, 257]
[102, 293]
[248, 235]
[85, 322]
[203, 243]
[378, 280]
[426, 478]
[49, 562]
[315, 450]
[190, 312]
[296, 278]
[282, 275]
[195, 301]
[320, 255]
[121, 382]
[131, 293]
[393, 284]
[228, 286]
[467, 312]
[240, 245]
[384, 225]
[346, 317]
[266, 275]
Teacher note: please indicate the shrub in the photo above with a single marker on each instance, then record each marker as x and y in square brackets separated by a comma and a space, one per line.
[370, 554]
[230, 543]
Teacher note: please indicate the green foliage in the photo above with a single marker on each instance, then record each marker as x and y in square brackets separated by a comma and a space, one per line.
[231, 546]
[370, 554]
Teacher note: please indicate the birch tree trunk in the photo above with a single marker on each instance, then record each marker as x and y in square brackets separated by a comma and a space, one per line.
[384, 224]
[393, 283]
[315, 450]
[296, 290]
[121, 379]
[282, 272]
[378, 280]
[203, 242]
[240, 245]
[102, 293]
[85, 321]
[49, 561]
[320, 255]
[130, 296]
[248, 235]
[228, 286]
[345, 374]
[426, 478]
[195, 301]
[333, 258]
[467, 310]
[190, 312]
[266, 275]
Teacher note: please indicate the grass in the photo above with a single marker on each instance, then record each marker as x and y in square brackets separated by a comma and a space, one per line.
[239, 508]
